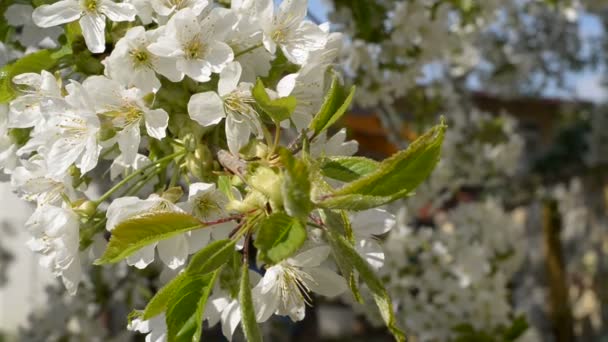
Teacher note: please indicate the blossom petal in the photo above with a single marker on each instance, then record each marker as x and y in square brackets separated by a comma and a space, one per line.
[237, 133]
[156, 123]
[168, 68]
[206, 108]
[372, 222]
[61, 156]
[310, 258]
[371, 251]
[71, 276]
[90, 156]
[166, 46]
[286, 85]
[231, 317]
[229, 78]
[198, 70]
[93, 29]
[264, 303]
[128, 142]
[218, 55]
[198, 239]
[325, 282]
[142, 258]
[118, 11]
[56, 14]
[174, 251]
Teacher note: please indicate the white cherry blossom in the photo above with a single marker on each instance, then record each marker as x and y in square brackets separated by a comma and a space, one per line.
[55, 236]
[234, 102]
[73, 139]
[8, 150]
[195, 45]
[133, 65]
[168, 7]
[174, 251]
[284, 289]
[91, 15]
[366, 225]
[287, 29]
[207, 203]
[41, 98]
[126, 110]
[31, 180]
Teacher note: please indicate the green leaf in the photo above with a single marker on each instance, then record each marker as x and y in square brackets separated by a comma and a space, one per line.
[394, 178]
[34, 62]
[348, 254]
[250, 325]
[158, 303]
[517, 328]
[184, 315]
[359, 202]
[278, 109]
[339, 224]
[348, 169]
[212, 257]
[279, 236]
[296, 186]
[334, 107]
[136, 233]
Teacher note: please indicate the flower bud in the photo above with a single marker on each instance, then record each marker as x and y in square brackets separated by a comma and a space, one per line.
[173, 194]
[85, 208]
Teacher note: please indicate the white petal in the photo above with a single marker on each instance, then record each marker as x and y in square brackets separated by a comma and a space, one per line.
[198, 189]
[292, 10]
[145, 79]
[156, 123]
[71, 276]
[310, 258]
[269, 44]
[286, 85]
[371, 251]
[237, 133]
[206, 108]
[30, 79]
[326, 282]
[222, 231]
[219, 55]
[372, 222]
[231, 317]
[93, 28]
[214, 308]
[142, 258]
[56, 14]
[198, 70]
[118, 11]
[265, 304]
[90, 155]
[229, 78]
[128, 142]
[198, 239]
[104, 92]
[168, 68]
[61, 156]
[265, 12]
[185, 25]
[166, 46]
[174, 251]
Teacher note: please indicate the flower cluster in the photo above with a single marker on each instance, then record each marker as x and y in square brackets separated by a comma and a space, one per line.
[456, 273]
[146, 102]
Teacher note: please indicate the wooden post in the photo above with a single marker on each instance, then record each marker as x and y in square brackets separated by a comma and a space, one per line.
[559, 304]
